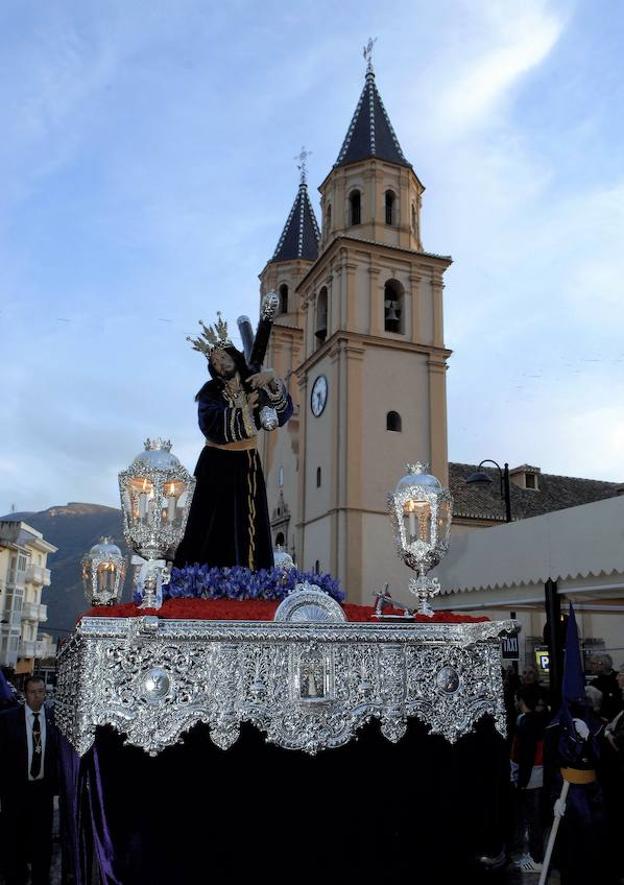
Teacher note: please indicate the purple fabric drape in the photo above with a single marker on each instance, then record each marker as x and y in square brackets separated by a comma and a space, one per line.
[70, 765]
[85, 832]
[6, 695]
[108, 862]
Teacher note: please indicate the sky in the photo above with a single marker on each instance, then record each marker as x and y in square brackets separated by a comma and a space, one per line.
[147, 160]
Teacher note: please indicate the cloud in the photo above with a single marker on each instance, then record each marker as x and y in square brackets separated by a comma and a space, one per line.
[149, 156]
[519, 38]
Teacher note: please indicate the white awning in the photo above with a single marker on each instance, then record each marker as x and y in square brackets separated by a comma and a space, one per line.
[585, 542]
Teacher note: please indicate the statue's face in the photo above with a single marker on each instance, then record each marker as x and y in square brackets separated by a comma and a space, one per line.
[223, 364]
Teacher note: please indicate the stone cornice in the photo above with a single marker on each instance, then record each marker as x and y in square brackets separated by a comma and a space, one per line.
[439, 263]
[437, 355]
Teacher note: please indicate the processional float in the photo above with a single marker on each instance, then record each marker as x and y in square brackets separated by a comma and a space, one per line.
[310, 678]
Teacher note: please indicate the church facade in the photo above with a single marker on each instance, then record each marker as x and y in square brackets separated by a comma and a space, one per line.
[360, 338]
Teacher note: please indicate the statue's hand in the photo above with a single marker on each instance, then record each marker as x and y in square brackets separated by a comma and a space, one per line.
[252, 399]
[261, 379]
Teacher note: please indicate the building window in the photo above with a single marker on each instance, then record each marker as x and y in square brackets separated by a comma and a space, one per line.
[328, 218]
[283, 298]
[413, 218]
[355, 207]
[279, 540]
[318, 477]
[393, 306]
[393, 422]
[530, 481]
[317, 567]
[321, 316]
[390, 199]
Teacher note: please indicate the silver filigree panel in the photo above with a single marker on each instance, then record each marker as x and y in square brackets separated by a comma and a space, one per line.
[307, 686]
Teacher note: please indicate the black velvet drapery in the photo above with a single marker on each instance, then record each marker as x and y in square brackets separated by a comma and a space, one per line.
[228, 523]
[374, 810]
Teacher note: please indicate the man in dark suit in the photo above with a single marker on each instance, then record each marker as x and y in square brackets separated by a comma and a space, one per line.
[28, 782]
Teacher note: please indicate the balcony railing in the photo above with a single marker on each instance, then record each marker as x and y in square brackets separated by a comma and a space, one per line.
[37, 574]
[15, 580]
[34, 611]
[45, 649]
[27, 648]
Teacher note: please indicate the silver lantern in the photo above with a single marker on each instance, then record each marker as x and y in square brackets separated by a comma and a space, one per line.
[156, 494]
[103, 573]
[282, 558]
[421, 511]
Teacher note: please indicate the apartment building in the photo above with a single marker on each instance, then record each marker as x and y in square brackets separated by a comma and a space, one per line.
[23, 575]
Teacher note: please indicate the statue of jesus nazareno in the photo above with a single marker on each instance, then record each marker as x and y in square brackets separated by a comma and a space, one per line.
[228, 523]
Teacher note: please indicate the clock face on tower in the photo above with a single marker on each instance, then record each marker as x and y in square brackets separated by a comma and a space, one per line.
[318, 397]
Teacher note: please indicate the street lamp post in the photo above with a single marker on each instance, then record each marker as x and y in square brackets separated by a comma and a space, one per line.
[481, 477]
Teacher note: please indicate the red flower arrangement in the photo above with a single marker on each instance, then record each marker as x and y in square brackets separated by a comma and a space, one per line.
[254, 610]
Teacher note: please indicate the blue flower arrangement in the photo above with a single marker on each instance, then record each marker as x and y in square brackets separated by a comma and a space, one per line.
[206, 582]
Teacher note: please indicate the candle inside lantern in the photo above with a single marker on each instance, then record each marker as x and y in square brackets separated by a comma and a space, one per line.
[171, 503]
[144, 498]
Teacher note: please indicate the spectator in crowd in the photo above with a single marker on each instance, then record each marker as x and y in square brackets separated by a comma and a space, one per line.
[511, 684]
[527, 773]
[613, 779]
[530, 682]
[594, 696]
[605, 680]
[614, 731]
[527, 767]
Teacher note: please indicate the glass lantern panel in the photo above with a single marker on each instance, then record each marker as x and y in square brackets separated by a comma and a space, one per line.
[173, 506]
[417, 521]
[142, 501]
[106, 577]
[444, 521]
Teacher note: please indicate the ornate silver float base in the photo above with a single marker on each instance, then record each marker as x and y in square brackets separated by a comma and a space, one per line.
[307, 686]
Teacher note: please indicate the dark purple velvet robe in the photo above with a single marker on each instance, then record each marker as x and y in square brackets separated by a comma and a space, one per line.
[229, 519]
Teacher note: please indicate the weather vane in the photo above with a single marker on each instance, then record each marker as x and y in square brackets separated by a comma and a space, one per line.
[367, 52]
[301, 164]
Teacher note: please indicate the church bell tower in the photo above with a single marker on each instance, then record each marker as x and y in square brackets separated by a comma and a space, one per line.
[296, 251]
[371, 361]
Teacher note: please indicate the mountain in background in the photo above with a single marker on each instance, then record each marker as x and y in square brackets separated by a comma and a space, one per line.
[74, 529]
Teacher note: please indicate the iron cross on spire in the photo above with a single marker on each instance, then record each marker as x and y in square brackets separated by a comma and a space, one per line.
[367, 52]
[302, 158]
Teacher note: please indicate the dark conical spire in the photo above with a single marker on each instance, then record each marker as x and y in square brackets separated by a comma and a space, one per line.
[301, 235]
[370, 133]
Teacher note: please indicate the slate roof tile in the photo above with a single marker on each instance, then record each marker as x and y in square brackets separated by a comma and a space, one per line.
[555, 493]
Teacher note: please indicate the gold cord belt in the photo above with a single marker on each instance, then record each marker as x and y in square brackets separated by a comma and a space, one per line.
[251, 508]
[245, 445]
